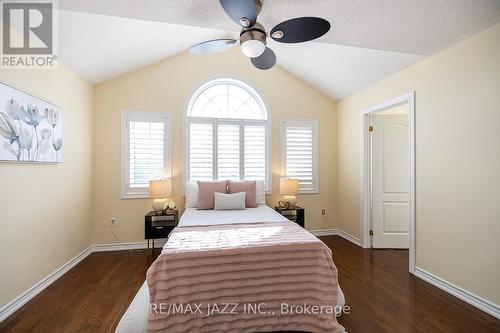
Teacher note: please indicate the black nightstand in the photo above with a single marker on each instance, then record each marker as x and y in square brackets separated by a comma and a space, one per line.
[159, 225]
[295, 214]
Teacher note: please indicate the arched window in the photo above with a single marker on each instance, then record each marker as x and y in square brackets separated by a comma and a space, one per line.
[227, 133]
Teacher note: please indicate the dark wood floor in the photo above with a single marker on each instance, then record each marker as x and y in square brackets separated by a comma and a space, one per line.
[382, 296]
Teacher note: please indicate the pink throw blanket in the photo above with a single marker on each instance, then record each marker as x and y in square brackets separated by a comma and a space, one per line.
[253, 277]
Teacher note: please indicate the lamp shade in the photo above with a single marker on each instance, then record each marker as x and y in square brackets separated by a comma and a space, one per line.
[160, 189]
[289, 186]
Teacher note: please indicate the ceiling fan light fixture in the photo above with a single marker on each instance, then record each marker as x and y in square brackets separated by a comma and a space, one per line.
[253, 41]
[253, 48]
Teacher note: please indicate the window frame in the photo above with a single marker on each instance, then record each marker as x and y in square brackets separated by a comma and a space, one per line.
[126, 192]
[315, 150]
[214, 121]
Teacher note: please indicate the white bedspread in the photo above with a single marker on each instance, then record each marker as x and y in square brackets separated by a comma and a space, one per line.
[262, 213]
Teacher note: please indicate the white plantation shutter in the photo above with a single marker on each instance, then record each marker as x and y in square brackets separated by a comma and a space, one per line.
[238, 151]
[201, 162]
[299, 160]
[255, 152]
[228, 151]
[145, 151]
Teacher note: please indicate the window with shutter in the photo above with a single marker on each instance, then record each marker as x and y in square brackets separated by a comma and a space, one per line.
[299, 155]
[201, 163]
[228, 133]
[255, 152]
[145, 151]
[228, 151]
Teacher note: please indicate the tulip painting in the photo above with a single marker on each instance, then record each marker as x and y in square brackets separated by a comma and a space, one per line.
[30, 128]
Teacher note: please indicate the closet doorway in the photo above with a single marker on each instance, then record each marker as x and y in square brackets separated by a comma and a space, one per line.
[387, 186]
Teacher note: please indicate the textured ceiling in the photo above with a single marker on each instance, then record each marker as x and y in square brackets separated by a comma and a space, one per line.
[338, 70]
[100, 47]
[419, 27]
[369, 40]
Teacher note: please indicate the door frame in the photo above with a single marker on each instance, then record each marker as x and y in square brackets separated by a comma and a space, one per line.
[365, 184]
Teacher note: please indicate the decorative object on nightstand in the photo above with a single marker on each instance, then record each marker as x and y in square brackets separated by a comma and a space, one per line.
[295, 214]
[289, 188]
[159, 225]
[160, 190]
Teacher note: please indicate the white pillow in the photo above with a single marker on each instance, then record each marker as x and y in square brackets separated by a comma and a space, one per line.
[260, 192]
[191, 193]
[229, 201]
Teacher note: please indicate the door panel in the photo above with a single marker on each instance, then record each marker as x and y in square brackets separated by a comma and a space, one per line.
[395, 162]
[390, 181]
[395, 219]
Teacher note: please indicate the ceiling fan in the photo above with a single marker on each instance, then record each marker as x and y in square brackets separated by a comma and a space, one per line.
[253, 36]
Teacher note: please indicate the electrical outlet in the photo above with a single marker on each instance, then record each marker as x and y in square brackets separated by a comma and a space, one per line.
[323, 212]
[112, 221]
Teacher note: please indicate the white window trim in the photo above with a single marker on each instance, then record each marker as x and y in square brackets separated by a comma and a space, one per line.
[126, 192]
[301, 121]
[186, 120]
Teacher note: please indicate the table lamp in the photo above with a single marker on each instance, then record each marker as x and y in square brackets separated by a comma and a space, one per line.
[160, 190]
[289, 188]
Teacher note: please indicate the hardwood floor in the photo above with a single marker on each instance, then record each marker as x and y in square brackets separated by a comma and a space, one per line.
[384, 297]
[381, 294]
[90, 298]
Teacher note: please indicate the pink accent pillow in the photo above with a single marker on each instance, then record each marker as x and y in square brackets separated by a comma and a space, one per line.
[206, 192]
[249, 186]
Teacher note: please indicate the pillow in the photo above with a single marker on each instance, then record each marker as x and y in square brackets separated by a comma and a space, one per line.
[226, 201]
[206, 192]
[260, 192]
[191, 193]
[249, 187]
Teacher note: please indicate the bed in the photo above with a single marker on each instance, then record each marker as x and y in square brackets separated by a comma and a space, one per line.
[225, 239]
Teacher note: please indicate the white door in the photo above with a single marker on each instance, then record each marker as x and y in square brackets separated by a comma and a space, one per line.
[390, 181]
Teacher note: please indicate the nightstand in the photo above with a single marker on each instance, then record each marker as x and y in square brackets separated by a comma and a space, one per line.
[295, 214]
[159, 225]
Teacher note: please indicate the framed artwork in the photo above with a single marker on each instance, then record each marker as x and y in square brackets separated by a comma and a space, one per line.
[30, 128]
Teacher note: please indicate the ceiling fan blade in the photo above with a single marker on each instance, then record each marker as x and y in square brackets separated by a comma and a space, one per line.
[265, 61]
[300, 29]
[213, 46]
[243, 12]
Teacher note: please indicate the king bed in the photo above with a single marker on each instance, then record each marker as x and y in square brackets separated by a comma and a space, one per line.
[243, 258]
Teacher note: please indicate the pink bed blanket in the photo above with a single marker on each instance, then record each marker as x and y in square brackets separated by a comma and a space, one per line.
[252, 277]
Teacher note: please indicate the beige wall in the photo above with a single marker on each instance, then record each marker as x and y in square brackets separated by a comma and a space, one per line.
[45, 209]
[457, 160]
[165, 86]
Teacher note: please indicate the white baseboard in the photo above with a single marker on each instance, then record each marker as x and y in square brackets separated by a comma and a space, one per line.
[25, 297]
[466, 296]
[126, 246]
[324, 232]
[349, 237]
[336, 232]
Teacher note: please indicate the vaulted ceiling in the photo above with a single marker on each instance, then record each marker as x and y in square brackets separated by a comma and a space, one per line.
[369, 39]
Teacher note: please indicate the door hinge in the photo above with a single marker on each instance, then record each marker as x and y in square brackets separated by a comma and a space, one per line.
[370, 128]
[371, 232]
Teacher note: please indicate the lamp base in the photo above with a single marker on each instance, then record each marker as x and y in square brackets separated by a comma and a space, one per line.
[159, 205]
[291, 199]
